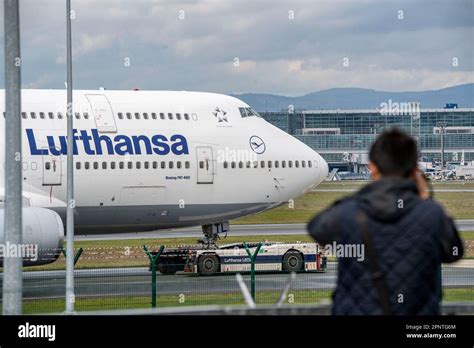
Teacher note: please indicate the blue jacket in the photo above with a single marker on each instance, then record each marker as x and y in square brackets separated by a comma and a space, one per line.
[411, 238]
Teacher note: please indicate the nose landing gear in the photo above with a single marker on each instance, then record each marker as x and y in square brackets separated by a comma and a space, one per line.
[212, 234]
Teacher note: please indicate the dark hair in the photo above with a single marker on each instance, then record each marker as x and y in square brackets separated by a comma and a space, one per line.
[394, 153]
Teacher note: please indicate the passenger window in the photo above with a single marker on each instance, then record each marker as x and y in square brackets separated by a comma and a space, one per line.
[186, 117]
[96, 165]
[78, 165]
[50, 115]
[178, 164]
[187, 165]
[277, 164]
[297, 164]
[163, 165]
[112, 165]
[47, 165]
[120, 116]
[269, 164]
[247, 164]
[77, 115]
[283, 164]
[303, 164]
[138, 165]
[201, 164]
[86, 165]
[121, 165]
[145, 116]
[226, 164]
[178, 116]
[146, 164]
[104, 165]
[137, 115]
[130, 165]
[153, 115]
[232, 165]
[155, 164]
[42, 115]
[33, 115]
[170, 115]
[255, 164]
[262, 164]
[162, 115]
[60, 115]
[290, 164]
[23, 114]
[86, 115]
[310, 164]
[241, 164]
[170, 164]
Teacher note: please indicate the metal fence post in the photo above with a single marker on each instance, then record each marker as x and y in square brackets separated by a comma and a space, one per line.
[76, 257]
[252, 267]
[70, 296]
[245, 291]
[12, 265]
[153, 260]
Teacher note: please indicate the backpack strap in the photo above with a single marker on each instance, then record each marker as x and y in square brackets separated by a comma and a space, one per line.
[378, 278]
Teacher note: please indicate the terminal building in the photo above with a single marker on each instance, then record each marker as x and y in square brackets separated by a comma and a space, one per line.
[343, 137]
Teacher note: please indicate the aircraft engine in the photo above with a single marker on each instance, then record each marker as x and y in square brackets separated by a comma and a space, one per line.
[42, 237]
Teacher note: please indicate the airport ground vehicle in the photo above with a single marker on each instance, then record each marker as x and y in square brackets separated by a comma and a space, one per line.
[272, 256]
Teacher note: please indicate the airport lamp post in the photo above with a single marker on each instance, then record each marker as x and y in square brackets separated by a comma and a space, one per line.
[442, 128]
[12, 272]
[70, 297]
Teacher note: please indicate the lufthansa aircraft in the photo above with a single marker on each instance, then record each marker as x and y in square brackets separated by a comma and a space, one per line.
[146, 160]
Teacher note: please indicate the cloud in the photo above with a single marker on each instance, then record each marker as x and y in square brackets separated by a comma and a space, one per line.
[283, 46]
[88, 44]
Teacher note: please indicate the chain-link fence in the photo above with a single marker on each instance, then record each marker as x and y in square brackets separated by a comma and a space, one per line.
[112, 286]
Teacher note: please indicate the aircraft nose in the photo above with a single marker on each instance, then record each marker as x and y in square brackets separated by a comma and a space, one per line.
[323, 169]
[320, 168]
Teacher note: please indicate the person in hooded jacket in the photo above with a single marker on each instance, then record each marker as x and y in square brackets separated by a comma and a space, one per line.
[405, 235]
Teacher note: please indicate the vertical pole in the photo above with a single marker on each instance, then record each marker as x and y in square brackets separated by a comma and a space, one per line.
[252, 279]
[12, 266]
[153, 260]
[252, 267]
[442, 146]
[153, 285]
[70, 298]
[442, 128]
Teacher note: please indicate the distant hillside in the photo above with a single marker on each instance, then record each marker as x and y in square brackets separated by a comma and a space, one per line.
[360, 98]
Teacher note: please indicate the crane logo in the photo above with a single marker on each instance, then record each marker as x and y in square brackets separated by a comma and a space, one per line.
[257, 144]
[220, 114]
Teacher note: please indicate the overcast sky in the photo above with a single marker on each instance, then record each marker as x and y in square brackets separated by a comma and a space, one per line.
[281, 47]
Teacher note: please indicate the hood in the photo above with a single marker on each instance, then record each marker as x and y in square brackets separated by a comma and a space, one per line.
[388, 199]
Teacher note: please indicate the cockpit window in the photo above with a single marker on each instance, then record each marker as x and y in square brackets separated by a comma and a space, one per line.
[248, 112]
[254, 113]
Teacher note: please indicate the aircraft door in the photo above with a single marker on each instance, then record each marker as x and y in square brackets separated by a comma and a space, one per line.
[52, 170]
[205, 165]
[102, 111]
